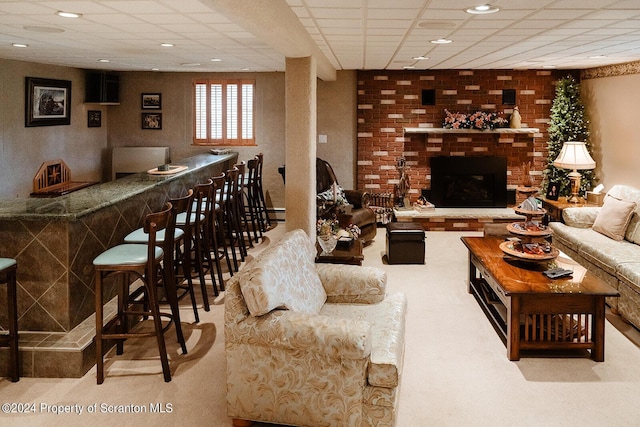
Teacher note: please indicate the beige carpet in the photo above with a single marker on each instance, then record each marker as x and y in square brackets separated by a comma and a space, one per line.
[456, 371]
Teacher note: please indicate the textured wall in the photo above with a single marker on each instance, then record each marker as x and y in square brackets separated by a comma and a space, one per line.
[388, 101]
[24, 149]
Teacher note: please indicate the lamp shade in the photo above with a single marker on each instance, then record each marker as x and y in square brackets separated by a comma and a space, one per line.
[574, 155]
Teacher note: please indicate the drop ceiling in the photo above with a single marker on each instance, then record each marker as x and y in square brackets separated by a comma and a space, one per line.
[352, 34]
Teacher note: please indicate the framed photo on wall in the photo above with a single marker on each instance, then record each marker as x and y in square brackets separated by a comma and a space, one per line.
[94, 118]
[47, 102]
[152, 101]
[152, 121]
[553, 190]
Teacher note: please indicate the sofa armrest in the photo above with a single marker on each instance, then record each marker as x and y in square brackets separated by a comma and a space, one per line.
[288, 330]
[352, 284]
[359, 199]
[580, 217]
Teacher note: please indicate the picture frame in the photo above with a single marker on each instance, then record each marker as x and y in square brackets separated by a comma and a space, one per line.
[47, 102]
[151, 101]
[553, 190]
[152, 121]
[94, 118]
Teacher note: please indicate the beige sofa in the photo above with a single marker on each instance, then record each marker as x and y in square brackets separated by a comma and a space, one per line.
[312, 344]
[606, 240]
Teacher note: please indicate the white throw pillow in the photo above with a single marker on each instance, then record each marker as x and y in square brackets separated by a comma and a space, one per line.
[283, 277]
[614, 217]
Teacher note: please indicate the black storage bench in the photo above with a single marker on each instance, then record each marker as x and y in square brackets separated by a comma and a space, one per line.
[405, 243]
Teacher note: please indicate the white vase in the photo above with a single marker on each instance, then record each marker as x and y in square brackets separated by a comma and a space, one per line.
[327, 243]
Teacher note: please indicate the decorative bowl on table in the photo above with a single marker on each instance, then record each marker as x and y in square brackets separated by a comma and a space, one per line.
[535, 251]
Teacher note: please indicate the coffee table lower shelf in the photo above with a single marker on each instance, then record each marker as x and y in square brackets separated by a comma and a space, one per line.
[541, 324]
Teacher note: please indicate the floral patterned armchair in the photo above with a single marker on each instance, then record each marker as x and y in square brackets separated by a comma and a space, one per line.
[312, 344]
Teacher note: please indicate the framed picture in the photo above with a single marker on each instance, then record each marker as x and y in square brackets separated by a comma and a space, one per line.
[47, 102]
[151, 120]
[553, 190]
[152, 101]
[94, 118]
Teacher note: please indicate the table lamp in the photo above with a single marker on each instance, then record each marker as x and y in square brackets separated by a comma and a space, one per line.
[574, 155]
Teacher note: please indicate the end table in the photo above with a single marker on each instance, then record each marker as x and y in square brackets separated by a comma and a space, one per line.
[351, 255]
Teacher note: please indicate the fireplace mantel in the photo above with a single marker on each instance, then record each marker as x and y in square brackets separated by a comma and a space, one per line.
[421, 130]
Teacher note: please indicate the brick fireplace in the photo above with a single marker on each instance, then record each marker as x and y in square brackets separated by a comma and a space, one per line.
[389, 101]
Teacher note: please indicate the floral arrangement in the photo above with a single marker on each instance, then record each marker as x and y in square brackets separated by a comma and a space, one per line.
[326, 227]
[481, 120]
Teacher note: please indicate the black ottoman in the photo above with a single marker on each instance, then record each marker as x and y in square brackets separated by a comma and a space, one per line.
[405, 243]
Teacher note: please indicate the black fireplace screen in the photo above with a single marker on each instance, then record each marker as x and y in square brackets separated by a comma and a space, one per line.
[469, 182]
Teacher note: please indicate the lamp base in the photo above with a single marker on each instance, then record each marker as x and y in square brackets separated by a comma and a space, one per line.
[574, 177]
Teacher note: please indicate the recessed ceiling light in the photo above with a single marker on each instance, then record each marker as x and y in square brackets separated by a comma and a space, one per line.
[190, 64]
[245, 69]
[597, 56]
[441, 41]
[19, 45]
[68, 14]
[155, 69]
[409, 67]
[103, 60]
[420, 58]
[548, 66]
[482, 9]
[216, 59]
[166, 44]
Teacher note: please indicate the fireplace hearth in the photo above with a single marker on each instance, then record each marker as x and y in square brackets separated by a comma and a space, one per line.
[473, 182]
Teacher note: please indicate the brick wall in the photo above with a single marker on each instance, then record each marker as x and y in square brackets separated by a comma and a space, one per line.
[389, 101]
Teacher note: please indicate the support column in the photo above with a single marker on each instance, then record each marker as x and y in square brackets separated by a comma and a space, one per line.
[300, 135]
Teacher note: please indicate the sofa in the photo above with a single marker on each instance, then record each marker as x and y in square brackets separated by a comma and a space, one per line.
[312, 344]
[606, 241]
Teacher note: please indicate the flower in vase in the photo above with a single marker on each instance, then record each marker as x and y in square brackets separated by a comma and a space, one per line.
[326, 227]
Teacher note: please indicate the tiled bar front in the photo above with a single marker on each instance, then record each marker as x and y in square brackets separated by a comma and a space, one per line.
[55, 241]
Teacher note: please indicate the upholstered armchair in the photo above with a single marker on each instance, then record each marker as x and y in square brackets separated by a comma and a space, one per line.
[312, 344]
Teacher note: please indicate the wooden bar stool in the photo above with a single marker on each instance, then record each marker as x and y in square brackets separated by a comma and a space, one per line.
[8, 269]
[176, 253]
[263, 203]
[253, 200]
[143, 261]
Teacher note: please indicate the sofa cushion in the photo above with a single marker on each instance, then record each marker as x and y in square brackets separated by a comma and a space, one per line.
[283, 276]
[607, 253]
[629, 272]
[387, 320]
[613, 218]
[630, 194]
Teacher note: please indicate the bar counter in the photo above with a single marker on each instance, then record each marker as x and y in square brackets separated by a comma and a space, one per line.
[55, 240]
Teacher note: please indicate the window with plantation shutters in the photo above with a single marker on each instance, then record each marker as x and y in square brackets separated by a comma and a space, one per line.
[223, 112]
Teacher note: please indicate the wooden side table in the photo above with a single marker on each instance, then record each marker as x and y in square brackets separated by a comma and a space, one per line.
[555, 207]
[352, 255]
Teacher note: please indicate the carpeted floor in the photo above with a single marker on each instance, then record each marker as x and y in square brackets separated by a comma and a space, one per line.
[456, 372]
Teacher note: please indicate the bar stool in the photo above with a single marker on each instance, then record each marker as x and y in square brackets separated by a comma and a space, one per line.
[253, 199]
[218, 244]
[175, 256]
[244, 217]
[8, 269]
[230, 215]
[263, 204]
[143, 261]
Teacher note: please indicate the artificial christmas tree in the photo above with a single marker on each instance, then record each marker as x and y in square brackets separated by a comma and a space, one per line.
[568, 123]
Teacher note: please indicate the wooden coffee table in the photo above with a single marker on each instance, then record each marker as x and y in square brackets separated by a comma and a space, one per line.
[530, 311]
[352, 255]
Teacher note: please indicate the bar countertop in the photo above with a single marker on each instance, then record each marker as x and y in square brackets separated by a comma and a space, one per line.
[79, 203]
